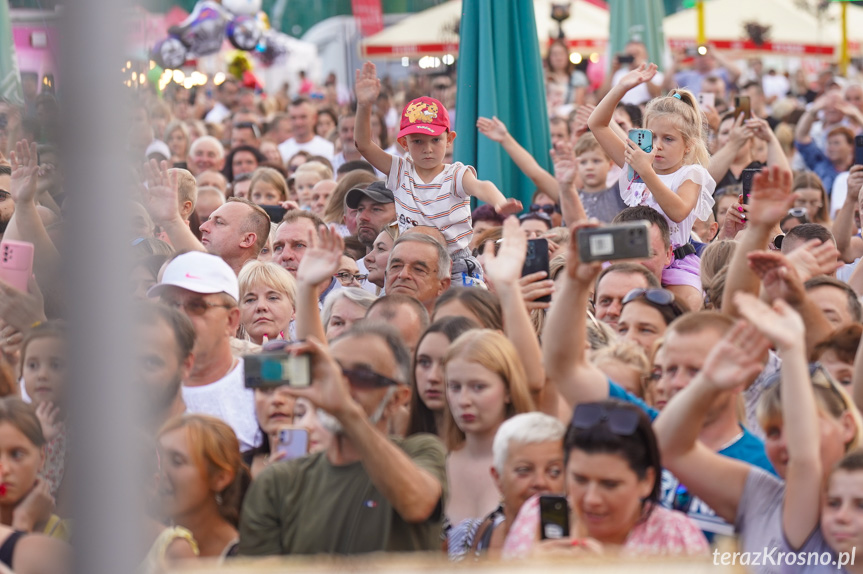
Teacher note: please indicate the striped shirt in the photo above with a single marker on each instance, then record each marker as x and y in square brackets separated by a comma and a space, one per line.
[442, 203]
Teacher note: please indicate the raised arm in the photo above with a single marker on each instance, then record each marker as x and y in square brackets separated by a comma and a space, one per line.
[775, 154]
[785, 328]
[160, 197]
[721, 161]
[495, 130]
[319, 264]
[601, 118]
[413, 491]
[804, 124]
[718, 480]
[844, 228]
[368, 87]
[770, 200]
[857, 379]
[504, 271]
[781, 280]
[564, 338]
[25, 224]
[488, 192]
[565, 169]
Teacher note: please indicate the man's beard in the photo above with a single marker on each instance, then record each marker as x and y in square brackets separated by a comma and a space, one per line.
[334, 426]
[160, 402]
[4, 223]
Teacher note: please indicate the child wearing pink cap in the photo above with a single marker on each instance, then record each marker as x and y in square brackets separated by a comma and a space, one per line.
[427, 191]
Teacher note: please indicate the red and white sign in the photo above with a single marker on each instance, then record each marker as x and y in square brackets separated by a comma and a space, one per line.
[369, 15]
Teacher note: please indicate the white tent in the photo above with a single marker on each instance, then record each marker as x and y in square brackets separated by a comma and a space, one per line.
[793, 31]
[432, 32]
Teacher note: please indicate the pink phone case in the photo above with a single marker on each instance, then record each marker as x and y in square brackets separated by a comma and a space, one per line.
[16, 263]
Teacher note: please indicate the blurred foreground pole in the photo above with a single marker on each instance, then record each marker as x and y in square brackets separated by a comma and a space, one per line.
[102, 443]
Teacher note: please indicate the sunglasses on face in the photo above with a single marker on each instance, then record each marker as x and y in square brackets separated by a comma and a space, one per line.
[621, 421]
[194, 307]
[547, 208]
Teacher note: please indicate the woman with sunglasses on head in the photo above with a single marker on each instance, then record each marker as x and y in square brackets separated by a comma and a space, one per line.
[767, 512]
[613, 484]
[645, 315]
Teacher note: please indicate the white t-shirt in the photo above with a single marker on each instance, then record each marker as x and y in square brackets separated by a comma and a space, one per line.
[315, 146]
[227, 399]
[441, 203]
[639, 94]
[838, 193]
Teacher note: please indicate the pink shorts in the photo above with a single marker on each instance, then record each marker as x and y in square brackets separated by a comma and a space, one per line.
[686, 271]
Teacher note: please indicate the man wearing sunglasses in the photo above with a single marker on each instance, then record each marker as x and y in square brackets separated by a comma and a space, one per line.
[366, 492]
[205, 288]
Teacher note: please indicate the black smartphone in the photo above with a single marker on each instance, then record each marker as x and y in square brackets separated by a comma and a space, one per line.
[742, 105]
[553, 516]
[746, 182]
[276, 212]
[536, 260]
[266, 370]
[625, 58]
[858, 150]
[629, 240]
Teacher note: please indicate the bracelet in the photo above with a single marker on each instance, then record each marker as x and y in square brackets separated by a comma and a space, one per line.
[35, 324]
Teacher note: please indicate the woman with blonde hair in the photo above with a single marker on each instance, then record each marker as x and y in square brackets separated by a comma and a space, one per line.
[202, 481]
[812, 197]
[486, 384]
[178, 140]
[268, 294]
[306, 177]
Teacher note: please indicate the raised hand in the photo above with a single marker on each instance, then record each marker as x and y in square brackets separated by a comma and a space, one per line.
[582, 114]
[643, 73]
[640, 160]
[734, 222]
[25, 172]
[35, 508]
[510, 207]
[536, 286]
[584, 274]
[160, 196]
[368, 85]
[565, 166]
[778, 275]
[48, 416]
[322, 257]
[759, 128]
[737, 359]
[855, 183]
[493, 129]
[21, 310]
[505, 266]
[771, 197]
[740, 132]
[779, 323]
[815, 258]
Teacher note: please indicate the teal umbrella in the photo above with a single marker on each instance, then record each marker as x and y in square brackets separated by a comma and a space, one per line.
[500, 74]
[637, 20]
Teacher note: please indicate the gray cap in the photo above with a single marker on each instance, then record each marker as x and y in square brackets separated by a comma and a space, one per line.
[376, 191]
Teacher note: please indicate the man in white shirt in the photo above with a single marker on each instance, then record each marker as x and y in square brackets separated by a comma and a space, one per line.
[304, 116]
[205, 288]
[227, 94]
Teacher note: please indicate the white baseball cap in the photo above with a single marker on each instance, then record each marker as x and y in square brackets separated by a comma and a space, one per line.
[199, 272]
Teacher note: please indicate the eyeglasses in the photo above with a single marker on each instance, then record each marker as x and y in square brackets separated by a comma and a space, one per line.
[661, 297]
[249, 126]
[346, 277]
[547, 208]
[194, 307]
[365, 378]
[822, 378]
[619, 420]
[4, 195]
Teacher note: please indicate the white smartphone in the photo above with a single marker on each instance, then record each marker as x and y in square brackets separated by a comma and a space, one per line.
[707, 99]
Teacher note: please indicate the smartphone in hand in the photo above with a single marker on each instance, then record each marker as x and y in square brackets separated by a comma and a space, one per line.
[644, 140]
[629, 240]
[553, 517]
[16, 263]
[294, 442]
[537, 260]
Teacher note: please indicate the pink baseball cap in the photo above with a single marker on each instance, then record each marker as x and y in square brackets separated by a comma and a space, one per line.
[424, 116]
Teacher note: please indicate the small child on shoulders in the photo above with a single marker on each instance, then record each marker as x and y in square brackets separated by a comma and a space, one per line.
[427, 191]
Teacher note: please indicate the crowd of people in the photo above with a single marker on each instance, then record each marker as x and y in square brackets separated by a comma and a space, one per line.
[450, 394]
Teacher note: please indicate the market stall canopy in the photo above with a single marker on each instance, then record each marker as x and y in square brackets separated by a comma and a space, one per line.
[434, 32]
[792, 31]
